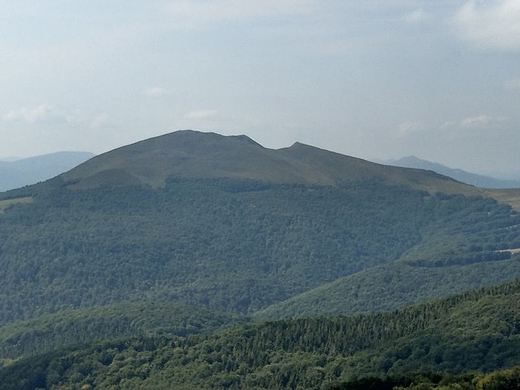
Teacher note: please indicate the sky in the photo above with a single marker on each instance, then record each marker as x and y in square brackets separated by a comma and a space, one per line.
[375, 79]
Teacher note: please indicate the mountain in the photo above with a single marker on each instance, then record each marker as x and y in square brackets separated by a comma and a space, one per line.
[192, 154]
[225, 224]
[428, 344]
[457, 174]
[22, 172]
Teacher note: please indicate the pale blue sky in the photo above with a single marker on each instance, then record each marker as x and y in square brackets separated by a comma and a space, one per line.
[373, 78]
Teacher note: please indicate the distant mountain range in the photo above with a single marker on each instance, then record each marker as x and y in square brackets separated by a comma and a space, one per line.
[15, 173]
[457, 174]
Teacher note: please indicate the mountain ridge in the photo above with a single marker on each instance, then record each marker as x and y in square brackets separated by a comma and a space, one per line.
[188, 153]
[463, 176]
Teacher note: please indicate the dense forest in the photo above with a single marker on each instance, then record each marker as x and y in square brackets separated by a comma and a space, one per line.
[155, 266]
[389, 287]
[472, 332]
[72, 327]
[236, 245]
[496, 380]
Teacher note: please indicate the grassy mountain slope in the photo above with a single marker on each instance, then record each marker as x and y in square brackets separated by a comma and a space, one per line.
[479, 330]
[192, 154]
[505, 196]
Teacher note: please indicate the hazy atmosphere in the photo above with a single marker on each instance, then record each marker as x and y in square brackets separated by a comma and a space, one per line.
[372, 79]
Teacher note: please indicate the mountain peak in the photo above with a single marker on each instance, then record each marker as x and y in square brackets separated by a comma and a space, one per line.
[189, 153]
[409, 158]
[181, 153]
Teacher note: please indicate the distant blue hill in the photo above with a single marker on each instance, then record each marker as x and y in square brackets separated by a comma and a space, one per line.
[19, 173]
[457, 174]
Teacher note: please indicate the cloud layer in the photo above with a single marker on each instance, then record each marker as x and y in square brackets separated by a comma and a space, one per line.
[51, 116]
[366, 78]
[493, 24]
[43, 114]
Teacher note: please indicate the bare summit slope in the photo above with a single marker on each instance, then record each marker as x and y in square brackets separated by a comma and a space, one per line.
[208, 155]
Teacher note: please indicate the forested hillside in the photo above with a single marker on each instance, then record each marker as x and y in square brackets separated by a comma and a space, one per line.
[475, 331]
[72, 327]
[127, 263]
[115, 230]
[231, 245]
[465, 251]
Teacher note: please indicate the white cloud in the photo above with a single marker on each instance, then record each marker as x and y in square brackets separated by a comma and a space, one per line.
[157, 92]
[406, 128]
[514, 83]
[203, 115]
[43, 114]
[479, 122]
[103, 120]
[417, 17]
[50, 115]
[475, 122]
[493, 24]
[76, 117]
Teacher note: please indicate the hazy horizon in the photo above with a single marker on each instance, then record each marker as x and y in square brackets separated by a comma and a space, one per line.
[375, 79]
